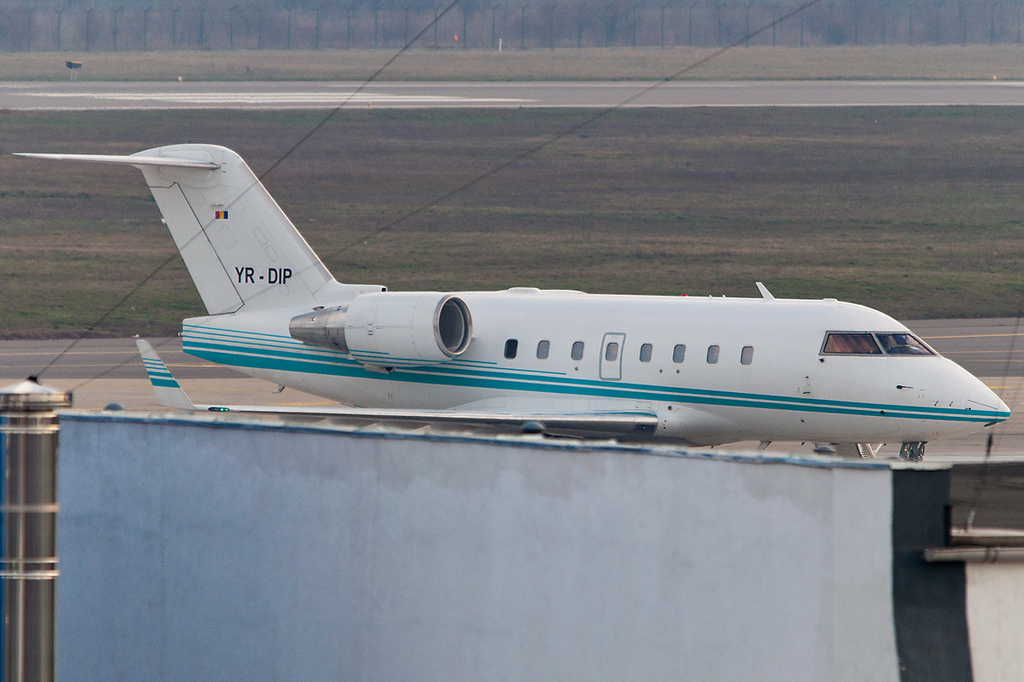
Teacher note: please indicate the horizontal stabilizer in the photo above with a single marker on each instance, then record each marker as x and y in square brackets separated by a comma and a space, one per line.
[132, 160]
[168, 392]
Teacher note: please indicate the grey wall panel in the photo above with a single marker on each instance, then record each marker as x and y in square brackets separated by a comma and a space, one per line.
[191, 551]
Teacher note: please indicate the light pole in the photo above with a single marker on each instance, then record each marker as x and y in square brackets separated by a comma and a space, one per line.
[910, 24]
[231, 26]
[290, 8]
[938, 21]
[689, 24]
[174, 28]
[1018, 20]
[88, 20]
[746, 36]
[579, 25]
[348, 28]
[720, 7]
[113, 27]
[663, 25]
[608, 33]
[802, 29]
[59, 12]
[884, 4]
[316, 39]
[635, 11]
[494, 9]
[436, 10]
[522, 26]
[550, 10]
[963, 5]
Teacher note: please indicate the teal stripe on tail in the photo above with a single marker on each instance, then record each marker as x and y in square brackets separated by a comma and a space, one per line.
[168, 391]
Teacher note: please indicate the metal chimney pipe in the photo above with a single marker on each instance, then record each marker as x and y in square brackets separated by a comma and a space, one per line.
[28, 529]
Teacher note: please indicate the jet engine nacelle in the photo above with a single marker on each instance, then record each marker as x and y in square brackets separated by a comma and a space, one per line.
[389, 329]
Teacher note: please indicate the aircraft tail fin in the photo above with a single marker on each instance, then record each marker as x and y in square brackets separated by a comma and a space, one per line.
[168, 392]
[238, 245]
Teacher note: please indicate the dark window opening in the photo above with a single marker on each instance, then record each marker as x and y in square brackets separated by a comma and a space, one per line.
[577, 350]
[747, 355]
[511, 348]
[645, 352]
[542, 350]
[611, 352]
[713, 354]
[678, 353]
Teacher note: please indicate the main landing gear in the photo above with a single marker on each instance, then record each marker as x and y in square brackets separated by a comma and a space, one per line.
[912, 452]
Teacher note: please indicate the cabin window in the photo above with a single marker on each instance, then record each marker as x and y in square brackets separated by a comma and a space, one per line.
[747, 355]
[577, 350]
[844, 343]
[902, 344]
[713, 354]
[542, 350]
[511, 348]
[611, 352]
[645, 352]
[678, 353]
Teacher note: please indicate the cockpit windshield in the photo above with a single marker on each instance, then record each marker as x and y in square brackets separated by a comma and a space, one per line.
[902, 344]
[873, 343]
[850, 344]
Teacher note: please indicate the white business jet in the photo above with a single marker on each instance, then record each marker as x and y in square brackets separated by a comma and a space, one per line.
[692, 370]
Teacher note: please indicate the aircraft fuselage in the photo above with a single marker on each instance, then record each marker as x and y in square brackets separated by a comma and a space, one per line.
[715, 370]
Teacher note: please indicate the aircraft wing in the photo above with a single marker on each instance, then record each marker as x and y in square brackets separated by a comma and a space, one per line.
[606, 424]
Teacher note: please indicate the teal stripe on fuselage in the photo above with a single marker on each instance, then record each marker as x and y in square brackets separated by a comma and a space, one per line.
[297, 358]
[606, 389]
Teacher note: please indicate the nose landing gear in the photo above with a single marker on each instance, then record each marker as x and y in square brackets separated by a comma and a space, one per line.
[912, 452]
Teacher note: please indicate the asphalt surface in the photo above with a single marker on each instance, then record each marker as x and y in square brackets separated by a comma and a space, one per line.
[79, 95]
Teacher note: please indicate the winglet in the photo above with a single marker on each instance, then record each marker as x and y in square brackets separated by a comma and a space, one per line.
[168, 392]
[765, 294]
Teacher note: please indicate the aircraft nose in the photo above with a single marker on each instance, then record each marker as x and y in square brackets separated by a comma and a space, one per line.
[982, 397]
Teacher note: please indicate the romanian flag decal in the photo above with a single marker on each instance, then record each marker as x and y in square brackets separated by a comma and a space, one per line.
[220, 215]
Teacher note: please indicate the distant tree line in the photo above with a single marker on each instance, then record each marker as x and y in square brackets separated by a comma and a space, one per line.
[522, 24]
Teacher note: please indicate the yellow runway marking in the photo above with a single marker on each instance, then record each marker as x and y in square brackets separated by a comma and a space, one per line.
[975, 352]
[972, 336]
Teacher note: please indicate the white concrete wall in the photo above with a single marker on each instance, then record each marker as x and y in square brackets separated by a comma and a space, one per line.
[197, 552]
[995, 620]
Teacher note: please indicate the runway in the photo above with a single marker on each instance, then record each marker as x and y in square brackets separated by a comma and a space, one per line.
[82, 96]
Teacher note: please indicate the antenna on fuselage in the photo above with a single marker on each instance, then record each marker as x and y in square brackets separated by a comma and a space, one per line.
[765, 294]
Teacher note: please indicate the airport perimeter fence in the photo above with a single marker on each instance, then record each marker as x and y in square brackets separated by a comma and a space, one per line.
[30, 27]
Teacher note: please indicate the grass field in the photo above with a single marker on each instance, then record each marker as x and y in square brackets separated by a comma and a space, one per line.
[878, 62]
[917, 212]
